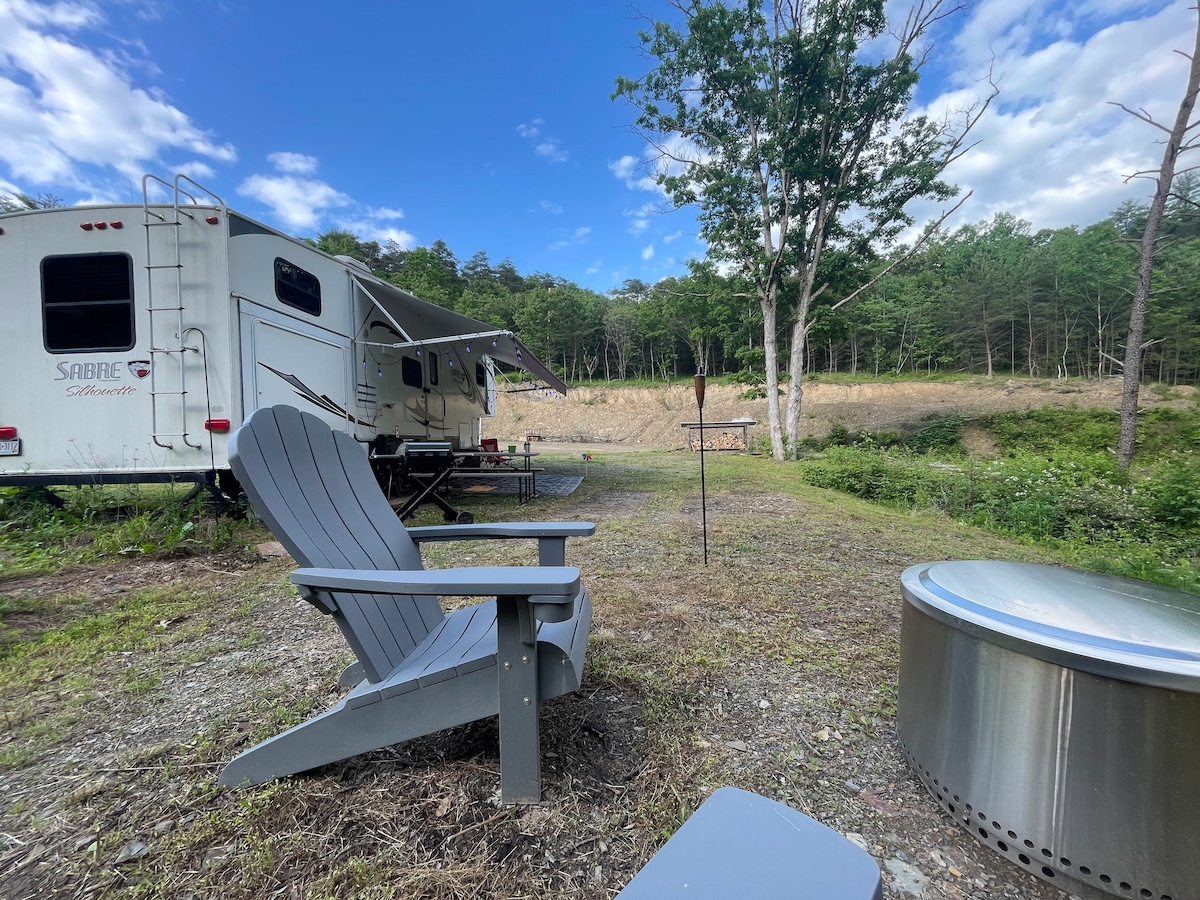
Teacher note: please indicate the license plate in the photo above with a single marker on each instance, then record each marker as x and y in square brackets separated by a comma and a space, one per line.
[10, 448]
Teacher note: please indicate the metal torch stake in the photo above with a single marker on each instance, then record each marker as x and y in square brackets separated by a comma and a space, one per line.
[703, 492]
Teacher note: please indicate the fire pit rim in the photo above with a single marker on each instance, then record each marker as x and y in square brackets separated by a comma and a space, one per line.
[1121, 626]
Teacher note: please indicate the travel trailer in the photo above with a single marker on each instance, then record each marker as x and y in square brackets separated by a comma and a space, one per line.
[136, 337]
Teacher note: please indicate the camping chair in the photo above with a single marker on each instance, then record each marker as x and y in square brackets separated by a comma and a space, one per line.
[492, 445]
[418, 670]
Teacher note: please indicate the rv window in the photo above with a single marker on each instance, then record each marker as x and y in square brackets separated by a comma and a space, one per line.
[433, 366]
[410, 372]
[87, 303]
[480, 375]
[297, 288]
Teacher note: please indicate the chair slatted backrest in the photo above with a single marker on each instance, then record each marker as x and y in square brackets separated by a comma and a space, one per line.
[315, 490]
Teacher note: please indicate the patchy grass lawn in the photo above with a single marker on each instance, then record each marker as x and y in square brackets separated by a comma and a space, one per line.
[126, 687]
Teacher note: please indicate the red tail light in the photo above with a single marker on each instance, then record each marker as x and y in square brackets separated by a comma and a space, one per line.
[8, 432]
[216, 425]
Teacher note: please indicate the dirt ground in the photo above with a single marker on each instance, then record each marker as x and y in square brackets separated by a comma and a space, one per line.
[651, 418]
[774, 668]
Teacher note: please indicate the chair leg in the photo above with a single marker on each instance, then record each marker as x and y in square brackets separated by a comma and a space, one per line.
[345, 730]
[517, 683]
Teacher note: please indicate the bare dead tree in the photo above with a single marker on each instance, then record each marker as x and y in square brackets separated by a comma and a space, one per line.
[1178, 142]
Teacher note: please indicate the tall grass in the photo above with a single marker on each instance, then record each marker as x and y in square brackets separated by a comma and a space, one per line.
[1054, 482]
[43, 532]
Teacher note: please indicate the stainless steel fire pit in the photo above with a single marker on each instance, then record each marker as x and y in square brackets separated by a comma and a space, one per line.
[1056, 715]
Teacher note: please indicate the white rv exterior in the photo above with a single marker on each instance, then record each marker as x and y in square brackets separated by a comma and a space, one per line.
[135, 337]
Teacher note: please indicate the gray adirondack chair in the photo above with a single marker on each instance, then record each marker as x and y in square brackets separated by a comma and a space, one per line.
[418, 670]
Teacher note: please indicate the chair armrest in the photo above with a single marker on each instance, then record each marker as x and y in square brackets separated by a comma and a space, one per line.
[501, 530]
[554, 584]
[551, 536]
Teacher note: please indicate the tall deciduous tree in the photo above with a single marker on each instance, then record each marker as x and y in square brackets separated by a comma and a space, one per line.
[766, 115]
[1178, 142]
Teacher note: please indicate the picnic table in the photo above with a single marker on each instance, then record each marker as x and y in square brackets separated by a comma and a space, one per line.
[493, 464]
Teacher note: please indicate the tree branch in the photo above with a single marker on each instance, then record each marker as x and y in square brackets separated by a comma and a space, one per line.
[930, 230]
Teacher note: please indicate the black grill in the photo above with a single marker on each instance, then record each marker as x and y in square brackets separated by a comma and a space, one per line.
[426, 456]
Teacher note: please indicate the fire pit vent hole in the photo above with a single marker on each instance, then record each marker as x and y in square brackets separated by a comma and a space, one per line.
[943, 796]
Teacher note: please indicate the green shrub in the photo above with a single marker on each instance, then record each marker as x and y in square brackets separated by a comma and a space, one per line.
[1053, 428]
[1173, 491]
[938, 434]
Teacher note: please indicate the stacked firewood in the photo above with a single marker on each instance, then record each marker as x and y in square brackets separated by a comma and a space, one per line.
[726, 440]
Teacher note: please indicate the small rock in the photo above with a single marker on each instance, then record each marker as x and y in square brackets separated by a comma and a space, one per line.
[853, 786]
[85, 840]
[164, 826]
[271, 550]
[214, 856]
[858, 840]
[764, 704]
[907, 879]
[131, 851]
[740, 746]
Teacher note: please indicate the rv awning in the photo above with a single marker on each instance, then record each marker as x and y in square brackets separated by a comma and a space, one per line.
[422, 323]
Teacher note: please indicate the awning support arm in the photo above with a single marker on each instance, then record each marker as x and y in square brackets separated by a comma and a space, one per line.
[451, 338]
[387, 315]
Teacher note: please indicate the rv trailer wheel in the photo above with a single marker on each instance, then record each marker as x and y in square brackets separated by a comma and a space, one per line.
[465, 518]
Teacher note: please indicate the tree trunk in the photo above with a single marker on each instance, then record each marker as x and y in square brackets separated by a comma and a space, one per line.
[767, 301]
[1141, 298]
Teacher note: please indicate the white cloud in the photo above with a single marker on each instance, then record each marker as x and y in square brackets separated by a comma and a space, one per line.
[372, 225]
[297, 202]
[532, 130]
[547, 206]
[547, 147]
[385, 213]
[648, 252]
[635, 172]
[1053, 149]
[293, 163]
[672, 237]
[576, 237]
[552, 151]
[68, 110]
[671, 157]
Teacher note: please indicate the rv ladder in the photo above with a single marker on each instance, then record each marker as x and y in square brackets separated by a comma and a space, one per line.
[164, 304]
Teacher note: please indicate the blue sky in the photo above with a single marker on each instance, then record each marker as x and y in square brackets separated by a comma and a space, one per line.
[488, 124]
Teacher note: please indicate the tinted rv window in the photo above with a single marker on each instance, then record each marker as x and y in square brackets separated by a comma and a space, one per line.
[410, 372]
[87, 303]
[433, 369]
[297, 288]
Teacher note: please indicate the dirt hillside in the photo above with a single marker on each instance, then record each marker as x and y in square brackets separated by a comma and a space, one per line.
[639, 418]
